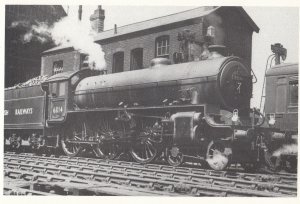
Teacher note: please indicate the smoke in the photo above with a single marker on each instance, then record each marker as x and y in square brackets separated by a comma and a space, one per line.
[69, 31]
[23, 24]
[39, 32]
[286, 149]
[219, 161]
[81, 37]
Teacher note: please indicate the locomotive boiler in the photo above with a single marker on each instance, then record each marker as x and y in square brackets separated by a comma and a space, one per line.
[220, 83]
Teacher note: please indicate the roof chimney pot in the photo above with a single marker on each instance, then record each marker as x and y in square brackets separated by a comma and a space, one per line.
[97, 19]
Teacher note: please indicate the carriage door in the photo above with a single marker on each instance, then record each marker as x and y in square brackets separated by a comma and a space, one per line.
[280, 102]
[292, 108]
[57, 100]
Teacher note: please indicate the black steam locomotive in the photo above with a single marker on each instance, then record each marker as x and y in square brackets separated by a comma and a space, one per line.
[194, 110]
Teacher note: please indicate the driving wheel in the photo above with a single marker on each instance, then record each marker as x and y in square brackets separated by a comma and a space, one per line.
[74, 133]
[143, 150]
[106, 151]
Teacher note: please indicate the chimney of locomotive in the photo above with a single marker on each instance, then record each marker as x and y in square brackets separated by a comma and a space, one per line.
[97, 19]
[160, 61]
[217, 51]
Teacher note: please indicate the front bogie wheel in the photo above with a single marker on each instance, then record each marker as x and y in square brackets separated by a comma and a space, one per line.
[218, 155]
[173, 156]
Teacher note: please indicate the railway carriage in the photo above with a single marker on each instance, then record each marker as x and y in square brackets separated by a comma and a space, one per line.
[282, 97]
[281, 105]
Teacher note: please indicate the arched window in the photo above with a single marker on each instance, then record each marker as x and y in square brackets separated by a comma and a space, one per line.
[162, 45]
[118, 62]
[136, 59]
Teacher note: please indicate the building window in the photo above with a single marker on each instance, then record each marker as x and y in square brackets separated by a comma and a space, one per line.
[162, 45]
[211, 31]
[136, 59]
[118, 62]
[58, 67]
[293, 92]
[84, 60]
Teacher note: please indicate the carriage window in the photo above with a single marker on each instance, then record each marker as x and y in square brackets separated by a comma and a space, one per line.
[293, 92]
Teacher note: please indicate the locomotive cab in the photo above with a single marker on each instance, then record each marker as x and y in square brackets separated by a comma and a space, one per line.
[59, 89]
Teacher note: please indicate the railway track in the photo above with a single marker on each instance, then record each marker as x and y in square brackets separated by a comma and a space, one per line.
[29, 174]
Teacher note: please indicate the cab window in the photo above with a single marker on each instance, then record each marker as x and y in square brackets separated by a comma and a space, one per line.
[74, 80]
[58, 89]
[62, 89]
[53, 89]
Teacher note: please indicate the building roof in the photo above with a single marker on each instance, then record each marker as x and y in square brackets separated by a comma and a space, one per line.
[60, 47]
[170, 19]
[162, 21]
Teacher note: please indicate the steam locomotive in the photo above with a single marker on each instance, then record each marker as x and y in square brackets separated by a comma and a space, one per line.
[194, 110]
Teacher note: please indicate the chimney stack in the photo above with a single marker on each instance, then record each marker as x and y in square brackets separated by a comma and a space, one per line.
[97, 19]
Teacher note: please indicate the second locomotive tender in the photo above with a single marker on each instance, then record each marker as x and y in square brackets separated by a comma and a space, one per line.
[194, 110]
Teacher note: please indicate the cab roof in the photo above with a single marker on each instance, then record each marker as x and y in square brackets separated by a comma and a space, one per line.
[65, 75]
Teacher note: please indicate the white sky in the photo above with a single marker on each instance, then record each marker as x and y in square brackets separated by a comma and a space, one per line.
[277, 24]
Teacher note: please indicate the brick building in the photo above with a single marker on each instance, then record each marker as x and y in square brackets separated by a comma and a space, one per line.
[23, 59]
[61, 58]
[133, 46]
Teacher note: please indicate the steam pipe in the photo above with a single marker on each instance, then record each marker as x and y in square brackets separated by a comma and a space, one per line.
[80, 12]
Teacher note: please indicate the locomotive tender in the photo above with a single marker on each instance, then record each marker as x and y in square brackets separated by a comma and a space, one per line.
[194, 110]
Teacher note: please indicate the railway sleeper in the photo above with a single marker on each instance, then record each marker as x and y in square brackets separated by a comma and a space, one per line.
[130, 181]
[162, 175]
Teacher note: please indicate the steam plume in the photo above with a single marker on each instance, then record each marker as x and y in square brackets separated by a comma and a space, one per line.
[68, 31]
[286, 149]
